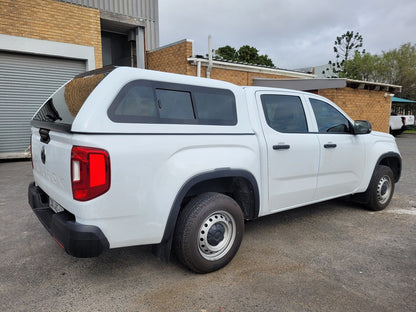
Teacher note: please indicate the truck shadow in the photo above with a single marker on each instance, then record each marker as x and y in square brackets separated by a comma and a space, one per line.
[309, 213]
[279, 226]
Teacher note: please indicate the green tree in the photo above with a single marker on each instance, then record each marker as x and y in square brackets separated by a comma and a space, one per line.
[245, 54]
[265, 60]
[398, 67]
[393, 67]
[363, 66]
[227, 52]
[345, 47]
[248, 54]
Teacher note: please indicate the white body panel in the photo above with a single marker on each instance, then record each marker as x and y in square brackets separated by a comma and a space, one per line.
[397, 122]
[410, 120]
[147, 172]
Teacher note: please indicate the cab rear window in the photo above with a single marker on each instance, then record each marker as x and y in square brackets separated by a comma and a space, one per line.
[144, 101]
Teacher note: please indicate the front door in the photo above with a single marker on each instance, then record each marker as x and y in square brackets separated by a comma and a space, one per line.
[342, 157]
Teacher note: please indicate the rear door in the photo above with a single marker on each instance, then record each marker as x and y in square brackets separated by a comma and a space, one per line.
[292, 152]
[342, 154]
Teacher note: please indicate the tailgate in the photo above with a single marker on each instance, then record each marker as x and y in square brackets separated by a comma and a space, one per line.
[410, 120]
[52, 136]
[51, 156]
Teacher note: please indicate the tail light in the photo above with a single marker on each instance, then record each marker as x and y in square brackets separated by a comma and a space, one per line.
[90, 172]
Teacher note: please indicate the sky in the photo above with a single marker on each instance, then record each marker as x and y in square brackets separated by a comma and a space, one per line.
[293, 33]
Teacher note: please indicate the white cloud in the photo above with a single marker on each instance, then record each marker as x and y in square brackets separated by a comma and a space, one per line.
[296, 33]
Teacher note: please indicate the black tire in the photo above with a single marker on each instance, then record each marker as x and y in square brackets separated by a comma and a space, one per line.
[209, 232]
[381, 188]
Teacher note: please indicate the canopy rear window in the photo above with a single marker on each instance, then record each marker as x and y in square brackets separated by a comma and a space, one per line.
[60, 110]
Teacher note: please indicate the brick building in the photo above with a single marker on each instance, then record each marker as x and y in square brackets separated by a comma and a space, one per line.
[44, 43]
[180, 58]
[361, 100]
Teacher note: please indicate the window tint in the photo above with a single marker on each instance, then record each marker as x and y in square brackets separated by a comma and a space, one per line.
[138, 101]
[284, 113]
[218, 108]
[329, 119]
[144, 101]
[174, 104]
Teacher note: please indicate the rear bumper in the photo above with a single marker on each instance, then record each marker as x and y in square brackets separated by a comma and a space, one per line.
[78, 240]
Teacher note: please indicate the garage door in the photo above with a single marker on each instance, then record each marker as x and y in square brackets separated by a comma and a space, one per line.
[26, 81]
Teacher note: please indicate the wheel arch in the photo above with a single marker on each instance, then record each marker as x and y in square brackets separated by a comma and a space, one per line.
[394, 161]
[241, 185]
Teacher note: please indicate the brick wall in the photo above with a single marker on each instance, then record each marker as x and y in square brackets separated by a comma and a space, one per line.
[54, 21]
[362, 104]
[238, 77]
[173, 59]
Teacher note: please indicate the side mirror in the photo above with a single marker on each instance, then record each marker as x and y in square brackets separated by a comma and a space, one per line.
[362, 127]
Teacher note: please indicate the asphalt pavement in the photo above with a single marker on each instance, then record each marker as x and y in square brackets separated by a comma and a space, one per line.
[332, 256]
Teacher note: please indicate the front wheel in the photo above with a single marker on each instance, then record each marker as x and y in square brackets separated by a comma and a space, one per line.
[381, 188]
[209, 232]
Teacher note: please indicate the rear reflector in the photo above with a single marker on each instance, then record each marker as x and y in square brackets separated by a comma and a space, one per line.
[90, 172]
[31, 153]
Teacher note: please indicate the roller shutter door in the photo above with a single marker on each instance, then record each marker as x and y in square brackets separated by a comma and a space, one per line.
[26, 81]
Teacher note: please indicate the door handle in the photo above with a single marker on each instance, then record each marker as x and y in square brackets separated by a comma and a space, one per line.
[330, 145]
[281, 147]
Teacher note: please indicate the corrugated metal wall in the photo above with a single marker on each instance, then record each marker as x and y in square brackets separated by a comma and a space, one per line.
[26, 81]
[147, 10]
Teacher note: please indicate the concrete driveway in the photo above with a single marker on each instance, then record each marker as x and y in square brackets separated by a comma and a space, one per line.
[332, 256]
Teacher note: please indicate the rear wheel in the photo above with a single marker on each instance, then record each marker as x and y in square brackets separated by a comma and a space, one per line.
[209, 232]
[381, 188]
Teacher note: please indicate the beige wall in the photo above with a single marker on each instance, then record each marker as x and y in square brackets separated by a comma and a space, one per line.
[54, 21]
[174, 59]
[362, 104]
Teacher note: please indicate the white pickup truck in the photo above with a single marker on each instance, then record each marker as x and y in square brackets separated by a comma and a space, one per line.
[400, 123]
[126, 157]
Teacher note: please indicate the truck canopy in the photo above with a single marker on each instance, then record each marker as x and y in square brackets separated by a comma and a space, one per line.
[129, 100]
